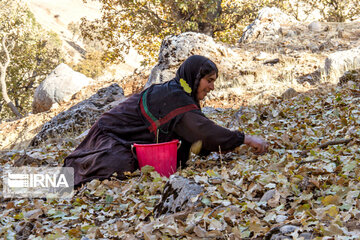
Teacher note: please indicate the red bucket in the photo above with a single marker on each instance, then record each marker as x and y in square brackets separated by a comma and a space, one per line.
[161, 156]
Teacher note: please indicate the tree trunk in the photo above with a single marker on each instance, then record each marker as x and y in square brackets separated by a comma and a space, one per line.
[3, 83]
[5, 95]
[208, 27]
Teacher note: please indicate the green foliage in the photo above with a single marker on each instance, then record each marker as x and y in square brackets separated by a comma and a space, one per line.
[335, 10]
[92, 65]
[34, 55]
[144, 24]
[74, 28]
[339, 10]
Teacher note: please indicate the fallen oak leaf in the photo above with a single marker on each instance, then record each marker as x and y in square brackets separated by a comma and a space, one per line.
[147, 169]
[331, 199]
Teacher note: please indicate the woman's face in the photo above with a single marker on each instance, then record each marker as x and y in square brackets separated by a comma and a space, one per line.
[205, 86]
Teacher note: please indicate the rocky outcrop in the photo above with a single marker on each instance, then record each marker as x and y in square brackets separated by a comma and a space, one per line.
[175, 49]
[81, 116]
[267, 25]
[336, 64]
[237, 76]
[58, 87]
[315, 26]
[177, 195]
[285, 232]
[350, 78]
[289, 93]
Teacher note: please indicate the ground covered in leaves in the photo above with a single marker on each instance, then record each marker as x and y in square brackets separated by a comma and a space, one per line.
[309, 180]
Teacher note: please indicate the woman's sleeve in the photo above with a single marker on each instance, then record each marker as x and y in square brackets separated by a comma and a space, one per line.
[193, 127]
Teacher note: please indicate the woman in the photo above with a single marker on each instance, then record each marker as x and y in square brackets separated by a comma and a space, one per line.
[162, 112]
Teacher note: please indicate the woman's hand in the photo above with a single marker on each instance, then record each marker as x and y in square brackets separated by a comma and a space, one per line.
[260, 145]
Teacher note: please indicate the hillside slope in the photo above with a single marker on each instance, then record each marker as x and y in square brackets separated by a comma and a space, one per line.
[307, 183]
[56, 15]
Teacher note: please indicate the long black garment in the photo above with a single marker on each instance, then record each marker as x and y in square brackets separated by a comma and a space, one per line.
[169, 110]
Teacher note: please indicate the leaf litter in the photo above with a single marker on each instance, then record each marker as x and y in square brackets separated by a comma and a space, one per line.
[297, 187]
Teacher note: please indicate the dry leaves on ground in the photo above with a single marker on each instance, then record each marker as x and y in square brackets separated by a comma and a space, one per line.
[312, 189]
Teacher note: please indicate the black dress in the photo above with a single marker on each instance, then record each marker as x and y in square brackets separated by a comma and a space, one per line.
[164, 112]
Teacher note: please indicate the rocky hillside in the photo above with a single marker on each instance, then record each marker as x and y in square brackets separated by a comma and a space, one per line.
[305, 187]
[56, 15]
[276, 57]
[297, 84]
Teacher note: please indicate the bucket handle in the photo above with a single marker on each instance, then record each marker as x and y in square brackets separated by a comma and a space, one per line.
[179, 145]
[132, 150]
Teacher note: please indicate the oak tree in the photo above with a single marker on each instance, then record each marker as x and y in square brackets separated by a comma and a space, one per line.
[143, 24]
[28, 53]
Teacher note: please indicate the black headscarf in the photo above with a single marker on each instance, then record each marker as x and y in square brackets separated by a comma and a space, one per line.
[172, 99]
[190, 72]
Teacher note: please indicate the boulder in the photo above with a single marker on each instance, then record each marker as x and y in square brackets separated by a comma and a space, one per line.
[58, 87]
[315, 26]
[24, 229]
[81, 116]
[177, 195]
[336, 64]
[267, 25]
[175, 50]
[350, 78]
[285, 231]
[289, 93]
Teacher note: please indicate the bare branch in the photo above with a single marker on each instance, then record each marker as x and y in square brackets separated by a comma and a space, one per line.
[326, 144]
[335, 142]
[154, 14]
[7, 53]
[3, 6]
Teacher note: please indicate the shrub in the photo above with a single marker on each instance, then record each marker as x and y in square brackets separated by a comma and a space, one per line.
[33, 54]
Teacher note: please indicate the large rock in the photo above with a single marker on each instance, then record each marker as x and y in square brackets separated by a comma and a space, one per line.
[336, 64]
[58, 87]
[81, 116]
[176, 49]
[350, 78]
[267, 25]
[284, 232]
[237, 76]
[177, 195]
[315, 26]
